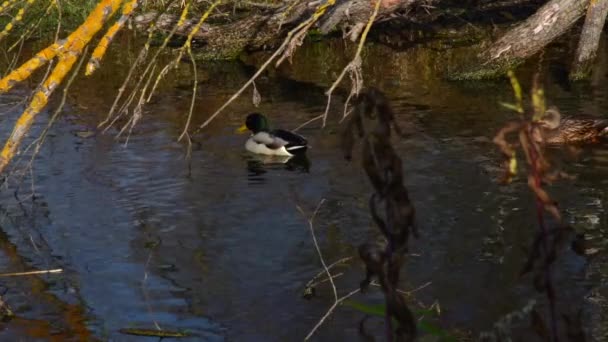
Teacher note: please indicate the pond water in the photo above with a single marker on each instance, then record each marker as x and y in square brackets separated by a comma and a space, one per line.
[215, 245]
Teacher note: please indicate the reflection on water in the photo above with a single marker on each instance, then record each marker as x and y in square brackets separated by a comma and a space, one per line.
[260, 165]
[214, 245]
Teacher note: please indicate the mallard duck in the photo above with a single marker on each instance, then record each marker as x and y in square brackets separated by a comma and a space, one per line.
[556, 129]
[276, 142]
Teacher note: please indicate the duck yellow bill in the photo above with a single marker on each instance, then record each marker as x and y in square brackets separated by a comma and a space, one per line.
[241, 129]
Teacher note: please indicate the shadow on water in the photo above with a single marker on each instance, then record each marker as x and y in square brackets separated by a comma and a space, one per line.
[215, 245]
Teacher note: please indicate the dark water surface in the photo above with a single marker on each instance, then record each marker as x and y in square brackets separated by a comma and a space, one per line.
[216, 246]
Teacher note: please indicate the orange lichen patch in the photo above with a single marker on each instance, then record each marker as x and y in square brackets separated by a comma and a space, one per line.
[105, 41]
[16, 19]
[38, 102]
[83, 34]
[27, 68]
[68, 53]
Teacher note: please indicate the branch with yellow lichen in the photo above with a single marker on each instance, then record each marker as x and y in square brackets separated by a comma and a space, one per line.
[27, 69]
[102, 46]
[67, 52]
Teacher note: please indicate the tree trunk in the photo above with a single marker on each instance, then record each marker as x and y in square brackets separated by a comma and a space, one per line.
[257, 31]
[528, 38]
[590, 39]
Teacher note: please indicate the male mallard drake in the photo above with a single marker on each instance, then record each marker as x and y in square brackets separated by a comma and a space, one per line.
[556, 129]
[276, 142]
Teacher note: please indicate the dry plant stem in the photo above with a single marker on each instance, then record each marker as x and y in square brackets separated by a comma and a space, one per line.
[318, 117]
[29, 99]
[330, 311]
[137, 111]
[407, 293]
[148, 67]
[18, 274]
[40, 140]
[145, 292]
[314, 240]
[324, 280]
[160, 76]
[186, 47]
[13, 62]
[337, 300]
[193, 100]
[296, 41]
[140, 57]
[291, 35]
[124, 108]
[336, 263]
[247, 84]
[355, 63]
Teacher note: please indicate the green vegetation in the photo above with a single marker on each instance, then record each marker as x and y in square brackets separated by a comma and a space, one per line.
[44, 17]
[379, 310]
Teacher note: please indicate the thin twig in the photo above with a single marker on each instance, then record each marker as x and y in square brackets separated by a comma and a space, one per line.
[194, 72]
[18, 274]
[324, 280]
[309, 122]
[40, 140]
[407, 293]
[330, 311]
[314, 240]
[354, 65]
[341, 261]
[143, 53]
[246, 85]
[145, 292]
[330, 277]
[292, 35]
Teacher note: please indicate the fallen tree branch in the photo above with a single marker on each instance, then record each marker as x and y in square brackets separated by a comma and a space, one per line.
[70, 50]
[590, 39]
[526, 39]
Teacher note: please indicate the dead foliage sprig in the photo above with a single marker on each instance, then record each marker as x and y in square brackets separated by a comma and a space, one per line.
[529, 140]
[326, 270]
[390, 206]
[292, 40]
[353, 68]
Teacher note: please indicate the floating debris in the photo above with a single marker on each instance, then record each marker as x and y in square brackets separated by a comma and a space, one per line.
[18, 274]
[84, 134]
[153, 332]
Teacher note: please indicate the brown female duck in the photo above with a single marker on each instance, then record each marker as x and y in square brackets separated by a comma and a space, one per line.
[555, 129]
